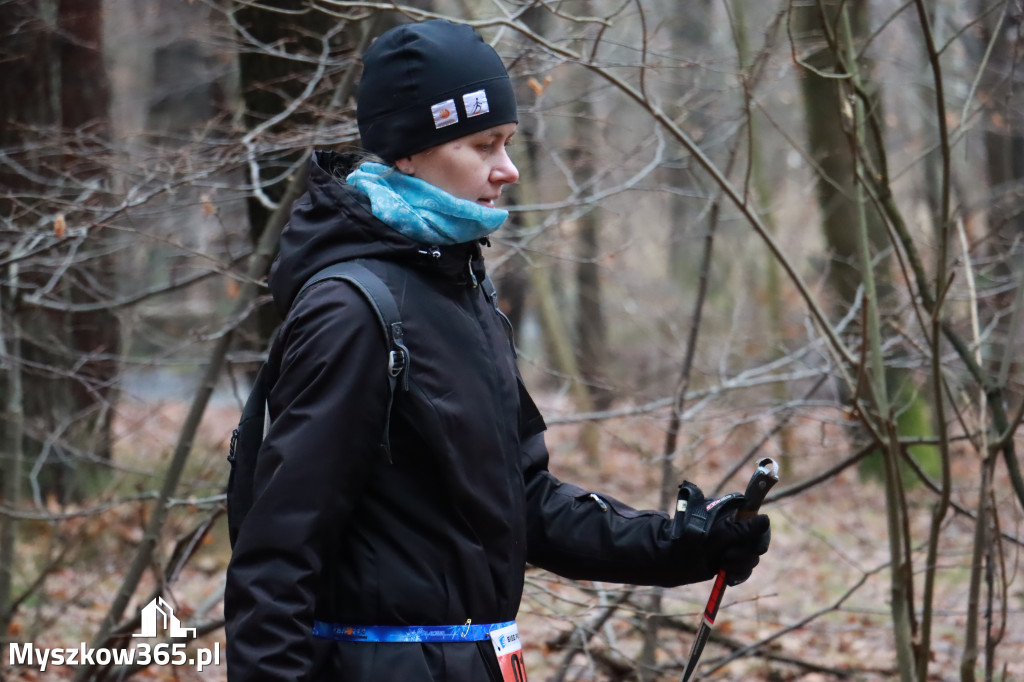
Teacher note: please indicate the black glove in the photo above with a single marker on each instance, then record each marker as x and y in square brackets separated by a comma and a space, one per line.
[710, 528]
[736, 546]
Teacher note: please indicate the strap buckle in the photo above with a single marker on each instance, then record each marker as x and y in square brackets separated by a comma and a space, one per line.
[396, 362]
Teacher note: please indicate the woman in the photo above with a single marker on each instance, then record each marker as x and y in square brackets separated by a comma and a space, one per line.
[350, 558]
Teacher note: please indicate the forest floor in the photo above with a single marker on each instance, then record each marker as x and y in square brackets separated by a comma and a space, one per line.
[816, 608]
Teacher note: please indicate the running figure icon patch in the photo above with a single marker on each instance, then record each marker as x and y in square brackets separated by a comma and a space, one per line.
[509, 651]
[475, 103]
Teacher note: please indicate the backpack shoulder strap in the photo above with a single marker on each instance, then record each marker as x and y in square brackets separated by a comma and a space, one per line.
[377, 294]
[382, 302]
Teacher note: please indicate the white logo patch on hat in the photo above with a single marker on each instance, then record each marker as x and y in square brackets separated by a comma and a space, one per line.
[444, 114]
[475, 103]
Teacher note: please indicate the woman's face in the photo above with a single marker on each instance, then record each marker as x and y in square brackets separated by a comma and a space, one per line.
[474, 167]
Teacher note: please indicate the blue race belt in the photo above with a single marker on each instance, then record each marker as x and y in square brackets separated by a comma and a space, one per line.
[407, 633]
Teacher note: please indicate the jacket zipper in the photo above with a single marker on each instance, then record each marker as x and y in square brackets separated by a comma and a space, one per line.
[472, 275]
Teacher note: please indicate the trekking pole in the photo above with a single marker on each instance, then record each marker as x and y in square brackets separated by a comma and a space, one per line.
[764, 478]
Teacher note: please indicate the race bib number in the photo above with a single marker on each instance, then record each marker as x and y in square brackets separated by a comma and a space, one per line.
[509, 651]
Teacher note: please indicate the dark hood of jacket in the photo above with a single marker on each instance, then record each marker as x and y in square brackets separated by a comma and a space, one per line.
[332, 222]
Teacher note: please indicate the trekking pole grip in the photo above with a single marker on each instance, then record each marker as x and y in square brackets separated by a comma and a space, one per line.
[766, 475]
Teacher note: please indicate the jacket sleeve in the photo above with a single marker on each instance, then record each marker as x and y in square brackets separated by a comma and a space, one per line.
[328, 414]
[584, 535]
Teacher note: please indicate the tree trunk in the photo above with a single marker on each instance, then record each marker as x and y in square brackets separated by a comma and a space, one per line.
[54, 116]
[828, 125]
[689, 28]
[856, 234]
[591, 331]
[10, 464]
[94, 335]
[1003, 135]
[270, 82]
[827, 109]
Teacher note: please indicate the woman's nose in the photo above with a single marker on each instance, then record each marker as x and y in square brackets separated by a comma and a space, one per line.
[505, 172]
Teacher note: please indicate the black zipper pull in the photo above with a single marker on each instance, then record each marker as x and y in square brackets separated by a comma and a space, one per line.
[231, 447]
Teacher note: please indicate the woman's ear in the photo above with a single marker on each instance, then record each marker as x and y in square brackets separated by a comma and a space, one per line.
[405, 165]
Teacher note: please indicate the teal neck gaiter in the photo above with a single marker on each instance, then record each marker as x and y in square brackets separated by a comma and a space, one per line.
[421, 211]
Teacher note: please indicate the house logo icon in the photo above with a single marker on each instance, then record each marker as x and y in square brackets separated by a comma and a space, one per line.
[159, 613]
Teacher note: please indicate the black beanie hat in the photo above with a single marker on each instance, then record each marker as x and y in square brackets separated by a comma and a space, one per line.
[429, 83]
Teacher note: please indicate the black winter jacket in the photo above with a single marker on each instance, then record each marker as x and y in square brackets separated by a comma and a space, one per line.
[441, 531]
